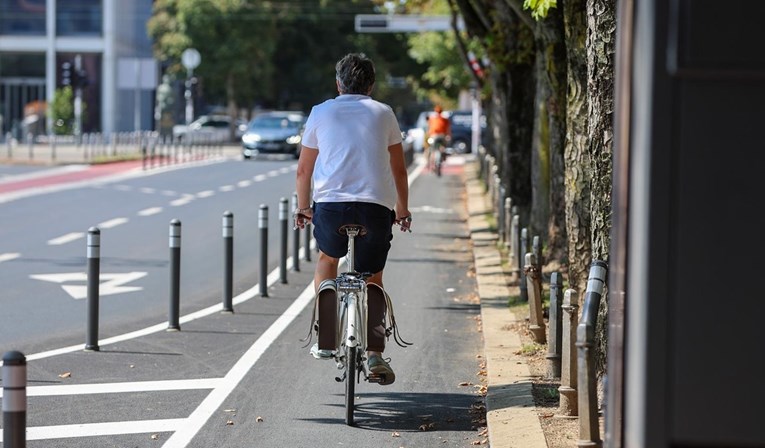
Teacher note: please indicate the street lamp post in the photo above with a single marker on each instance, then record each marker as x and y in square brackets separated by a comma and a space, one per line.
[190, 59]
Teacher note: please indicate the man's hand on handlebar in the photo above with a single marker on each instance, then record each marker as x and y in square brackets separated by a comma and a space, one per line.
[302, 217]
[405, 222]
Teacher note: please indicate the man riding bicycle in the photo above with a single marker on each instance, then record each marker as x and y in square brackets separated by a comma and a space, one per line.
[438, 136]
[352, 152]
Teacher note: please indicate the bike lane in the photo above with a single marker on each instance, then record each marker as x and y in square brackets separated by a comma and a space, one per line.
[243, 379]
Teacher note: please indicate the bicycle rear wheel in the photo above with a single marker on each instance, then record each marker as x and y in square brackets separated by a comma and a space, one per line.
[439, 159]
[350, 384]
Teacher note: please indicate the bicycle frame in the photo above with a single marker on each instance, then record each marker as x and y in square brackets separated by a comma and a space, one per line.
[352, 295]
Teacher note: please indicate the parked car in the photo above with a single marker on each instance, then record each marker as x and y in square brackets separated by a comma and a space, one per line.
[274, 132]
[215, 126]
[462, 130]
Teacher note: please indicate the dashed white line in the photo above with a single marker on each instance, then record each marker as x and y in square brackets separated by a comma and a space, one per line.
[272, 173]
[260, 178]
[123, 187]
[69, 237]
[169, 193]
[226, 188]
[284, 170]
[185, 199]
[150, 211]
[148, 190]
[243, 184]
[205, 194]
[9, 256]
[112, 223]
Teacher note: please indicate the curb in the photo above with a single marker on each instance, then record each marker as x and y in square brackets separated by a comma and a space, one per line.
[511, 415]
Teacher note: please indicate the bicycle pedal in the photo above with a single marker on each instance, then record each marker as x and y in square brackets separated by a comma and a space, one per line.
[376, 378]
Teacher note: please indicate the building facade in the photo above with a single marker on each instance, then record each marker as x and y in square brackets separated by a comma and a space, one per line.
[103, 40]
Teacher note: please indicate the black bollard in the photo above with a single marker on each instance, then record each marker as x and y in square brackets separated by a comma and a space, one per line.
[296, 244]
[555, 344]
[307, 248]
[589, 429]
[14, 400]
[283, 237]
[524, 246]
[94, 268]
[263, 225]
[173, 323]
[228, 262]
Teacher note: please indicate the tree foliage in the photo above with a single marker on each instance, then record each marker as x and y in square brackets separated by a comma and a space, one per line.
[278, 54]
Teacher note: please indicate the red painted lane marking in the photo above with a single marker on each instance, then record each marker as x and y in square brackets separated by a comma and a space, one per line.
[92, 172]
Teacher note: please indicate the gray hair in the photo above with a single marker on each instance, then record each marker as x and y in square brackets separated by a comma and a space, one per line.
[355, 73]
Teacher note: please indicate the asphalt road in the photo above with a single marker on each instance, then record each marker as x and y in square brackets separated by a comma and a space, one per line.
[241, 380]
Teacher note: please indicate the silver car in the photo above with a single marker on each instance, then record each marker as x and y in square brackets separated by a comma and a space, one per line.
[274, 132]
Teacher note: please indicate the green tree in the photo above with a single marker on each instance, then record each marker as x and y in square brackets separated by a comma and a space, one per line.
[62, 111]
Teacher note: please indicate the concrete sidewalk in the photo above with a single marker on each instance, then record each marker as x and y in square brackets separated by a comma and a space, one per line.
[511, 415]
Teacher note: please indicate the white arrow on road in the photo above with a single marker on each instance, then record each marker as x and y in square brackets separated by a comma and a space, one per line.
[110, 283]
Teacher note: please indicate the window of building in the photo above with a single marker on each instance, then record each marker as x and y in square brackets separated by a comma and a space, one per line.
[22, 17]
[79, 18]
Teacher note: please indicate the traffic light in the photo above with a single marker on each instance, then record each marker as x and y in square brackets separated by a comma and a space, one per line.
[81, 78]
[66, 74]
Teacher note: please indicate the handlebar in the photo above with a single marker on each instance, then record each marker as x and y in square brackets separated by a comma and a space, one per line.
[404, 223]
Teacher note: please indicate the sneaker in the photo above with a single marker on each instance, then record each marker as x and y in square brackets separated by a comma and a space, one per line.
[380, 368]
[321, 354]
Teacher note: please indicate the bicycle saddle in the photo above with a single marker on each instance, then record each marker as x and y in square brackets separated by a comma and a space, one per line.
[343, 229]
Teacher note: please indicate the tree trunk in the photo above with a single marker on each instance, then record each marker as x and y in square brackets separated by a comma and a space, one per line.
[577, 178]
[548, 170]
[601, 19]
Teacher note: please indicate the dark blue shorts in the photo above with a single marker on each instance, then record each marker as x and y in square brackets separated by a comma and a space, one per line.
[371, 249]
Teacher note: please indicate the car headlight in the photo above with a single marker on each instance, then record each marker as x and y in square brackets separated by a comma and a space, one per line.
[293, 140]
[250, 138]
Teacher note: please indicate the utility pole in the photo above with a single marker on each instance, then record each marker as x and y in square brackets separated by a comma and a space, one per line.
[77, 100]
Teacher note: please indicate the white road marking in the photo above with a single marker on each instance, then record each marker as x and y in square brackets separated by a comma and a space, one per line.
[169, 193]
[284, 170]
[226, 188]
[123, 187]
[243, 183]
[429, 209]
[148, 190]
[112, 223]
[122, 387]
[205, 194]
[103, 429]
[109, 283]
[272, 173]
[9, 256]
[183, 435]
[63, 239]
[150, 211]
[185, 199]
[260, 178]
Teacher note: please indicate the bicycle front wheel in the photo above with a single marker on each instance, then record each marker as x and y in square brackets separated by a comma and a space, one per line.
[350, 384]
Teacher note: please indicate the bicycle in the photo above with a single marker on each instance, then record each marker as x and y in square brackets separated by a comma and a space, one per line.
[351, 333]
[437, 152]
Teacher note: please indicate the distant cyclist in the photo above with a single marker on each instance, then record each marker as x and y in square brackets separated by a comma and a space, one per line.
[439, 134]
[352, 152]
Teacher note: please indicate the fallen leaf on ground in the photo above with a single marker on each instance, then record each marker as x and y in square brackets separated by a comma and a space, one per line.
[466, 383]
[65, 375]
[395, 434]
[155, 437]
[259, 419]
[229, 423]
[428, 427]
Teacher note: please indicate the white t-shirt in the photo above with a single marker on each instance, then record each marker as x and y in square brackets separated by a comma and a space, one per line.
[352, 134]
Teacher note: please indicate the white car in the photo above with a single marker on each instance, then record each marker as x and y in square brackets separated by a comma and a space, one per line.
[215, 126]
